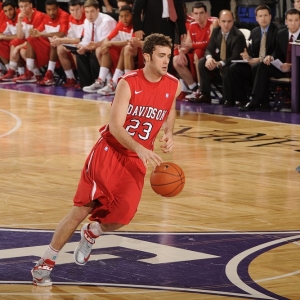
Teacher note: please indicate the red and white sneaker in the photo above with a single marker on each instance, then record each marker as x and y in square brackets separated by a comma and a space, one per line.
[48, 79]
[27, 77]
[9, 76]
[71, 82]
[83, 250]
[109, 89]
[41, 272]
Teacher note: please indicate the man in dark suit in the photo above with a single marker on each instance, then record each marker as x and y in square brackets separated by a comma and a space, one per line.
[260, 91]
[226, 43]
[150, 16]
[263, 41]
[158, 16]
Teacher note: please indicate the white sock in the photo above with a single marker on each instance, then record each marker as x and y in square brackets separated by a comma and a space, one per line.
[126, 71]
[51, 66]
[118, 73]
[191, 86]
[7, 66]
[50, 253]
[13, 65]
[108, 77]
[95, 229]
[70, 74]
[103, 73]
[30, 64]
[21, 70]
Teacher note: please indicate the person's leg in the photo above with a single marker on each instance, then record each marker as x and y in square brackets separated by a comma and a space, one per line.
[88, 69]
[240, 75]
[204, 77]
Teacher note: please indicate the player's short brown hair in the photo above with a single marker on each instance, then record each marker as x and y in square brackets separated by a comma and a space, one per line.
[156, 39]
[89, 3]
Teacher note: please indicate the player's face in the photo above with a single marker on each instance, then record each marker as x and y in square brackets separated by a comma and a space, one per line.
[263, 18]
[125, 17]
[159, 61]
[10, 12]
[26, 8]
[292, 22]
[297, 4]
[226, 21]
[52, 11]
[199, 15]
[76, 11]
[91, 13]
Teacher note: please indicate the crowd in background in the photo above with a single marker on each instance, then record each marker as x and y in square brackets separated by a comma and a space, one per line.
[91, 49]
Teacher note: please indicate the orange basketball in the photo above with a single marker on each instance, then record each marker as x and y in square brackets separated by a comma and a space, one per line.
[167, 179]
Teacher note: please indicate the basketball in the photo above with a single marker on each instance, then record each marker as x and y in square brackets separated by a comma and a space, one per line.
[167, 179]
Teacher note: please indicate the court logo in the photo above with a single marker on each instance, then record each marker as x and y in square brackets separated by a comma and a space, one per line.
[207, 263]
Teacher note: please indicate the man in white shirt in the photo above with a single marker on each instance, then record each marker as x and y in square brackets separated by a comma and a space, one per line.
[97, 27]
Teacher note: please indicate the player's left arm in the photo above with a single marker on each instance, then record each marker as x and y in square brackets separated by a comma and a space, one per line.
[168, 126]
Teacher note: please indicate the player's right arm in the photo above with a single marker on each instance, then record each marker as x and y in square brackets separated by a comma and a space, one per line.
[116, 126]
[20, 33]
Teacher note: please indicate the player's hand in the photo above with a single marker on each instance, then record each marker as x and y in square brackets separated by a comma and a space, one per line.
[21, 16]
[168, 143]
[81, 50]
[286, 67]
[148, 156]
[245, 55]
[210, 64]
[91, 46]
[267, 60]
[139, 34]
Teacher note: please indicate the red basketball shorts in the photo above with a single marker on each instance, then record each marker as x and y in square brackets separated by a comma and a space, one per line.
[41, 48]
[4, 49]
[114, 52]
[115, 181]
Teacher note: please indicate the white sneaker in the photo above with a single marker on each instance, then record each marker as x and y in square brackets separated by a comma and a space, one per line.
[109, 89]
[83, 250]
[99, 84]
[41, 272]
[193, 95]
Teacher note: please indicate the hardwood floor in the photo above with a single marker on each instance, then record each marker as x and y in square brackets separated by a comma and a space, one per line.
[240, 206]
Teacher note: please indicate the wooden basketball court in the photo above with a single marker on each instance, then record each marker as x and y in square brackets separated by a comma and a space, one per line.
[240, 178]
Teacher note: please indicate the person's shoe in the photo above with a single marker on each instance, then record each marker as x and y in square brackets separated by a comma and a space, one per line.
[193, 95]
[228, 103]
[71, 82]
[27, 77]
[9, 76]
[48, 79]
[83, 250]
[202, 98]
[99, 84]
[248, 107]
[41, 272]
[109, 89]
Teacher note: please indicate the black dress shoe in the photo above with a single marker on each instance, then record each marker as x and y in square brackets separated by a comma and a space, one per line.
[229, 103]
[249, 106]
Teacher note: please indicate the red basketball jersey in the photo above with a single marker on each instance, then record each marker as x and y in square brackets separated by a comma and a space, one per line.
[148, 108]
[200, 36]
[121, 32]
[59, 24]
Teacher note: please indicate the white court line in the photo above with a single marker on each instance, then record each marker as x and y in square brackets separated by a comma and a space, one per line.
[278, 277]
[18, 123]
[232, 266]
[147, 288]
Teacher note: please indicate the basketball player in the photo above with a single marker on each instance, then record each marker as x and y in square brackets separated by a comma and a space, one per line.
[28, 18]
[113, 176]
[8, 29]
